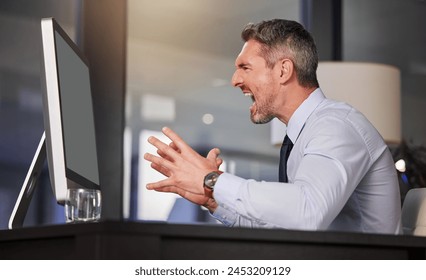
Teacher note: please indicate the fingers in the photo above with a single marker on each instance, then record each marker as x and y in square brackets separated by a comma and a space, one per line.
[159, 161]
[173, 146]
[195, 198]
[178, 144]
[164, 150]
[170, 151]
[176, 139]
[160, 184]
[214, 155]
[164, 155]
[161, 169]
[219, 162]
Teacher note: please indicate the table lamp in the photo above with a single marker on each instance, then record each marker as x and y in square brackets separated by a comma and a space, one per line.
[374, 89]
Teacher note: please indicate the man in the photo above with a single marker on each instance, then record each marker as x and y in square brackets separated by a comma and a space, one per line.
[340, 173]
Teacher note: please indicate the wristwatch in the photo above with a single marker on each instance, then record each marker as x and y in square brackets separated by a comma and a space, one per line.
[209, 182]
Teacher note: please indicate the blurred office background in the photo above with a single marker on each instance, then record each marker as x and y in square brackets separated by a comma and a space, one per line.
[179, 61]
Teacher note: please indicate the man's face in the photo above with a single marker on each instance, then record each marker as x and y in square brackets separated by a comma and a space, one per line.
[257, 81]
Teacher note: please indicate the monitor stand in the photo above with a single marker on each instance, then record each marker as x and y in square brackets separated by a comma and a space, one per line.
[23, 202]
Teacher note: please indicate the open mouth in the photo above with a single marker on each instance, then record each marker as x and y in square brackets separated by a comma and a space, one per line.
[253, 106]
[249, 94]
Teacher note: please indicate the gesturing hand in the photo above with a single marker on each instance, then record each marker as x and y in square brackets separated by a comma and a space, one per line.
[184, 168]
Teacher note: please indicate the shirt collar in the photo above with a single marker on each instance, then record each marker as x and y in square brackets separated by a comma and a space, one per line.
[302, 113]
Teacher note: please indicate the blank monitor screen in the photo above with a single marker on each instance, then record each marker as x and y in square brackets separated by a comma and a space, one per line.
[77, 114]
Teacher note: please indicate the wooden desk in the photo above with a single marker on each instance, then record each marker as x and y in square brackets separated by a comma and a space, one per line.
[137, 240]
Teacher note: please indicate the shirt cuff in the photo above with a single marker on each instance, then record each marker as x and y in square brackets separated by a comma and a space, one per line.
[226, 190]
[225, 216]
[225, 193]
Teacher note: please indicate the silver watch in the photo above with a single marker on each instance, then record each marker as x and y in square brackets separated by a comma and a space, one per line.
[211, 179]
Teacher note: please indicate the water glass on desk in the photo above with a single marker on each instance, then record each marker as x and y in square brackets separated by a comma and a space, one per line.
[83, 205]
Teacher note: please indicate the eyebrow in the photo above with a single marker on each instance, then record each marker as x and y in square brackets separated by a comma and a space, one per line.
[243, 64]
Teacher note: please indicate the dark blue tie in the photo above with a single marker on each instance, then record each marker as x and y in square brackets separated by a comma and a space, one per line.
[284, 154]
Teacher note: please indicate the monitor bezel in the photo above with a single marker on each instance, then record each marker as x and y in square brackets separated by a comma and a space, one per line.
[61, 176]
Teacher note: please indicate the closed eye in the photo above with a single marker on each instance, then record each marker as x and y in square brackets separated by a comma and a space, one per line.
[244, 66]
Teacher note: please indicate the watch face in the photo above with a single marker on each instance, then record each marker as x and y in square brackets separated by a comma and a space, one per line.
[210, 179]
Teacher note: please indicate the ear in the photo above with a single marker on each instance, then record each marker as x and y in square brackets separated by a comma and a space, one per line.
[286, 70]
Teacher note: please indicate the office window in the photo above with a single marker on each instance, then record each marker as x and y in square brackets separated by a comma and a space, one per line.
[391, 32]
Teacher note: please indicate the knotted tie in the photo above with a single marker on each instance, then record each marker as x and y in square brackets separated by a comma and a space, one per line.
[284, 154]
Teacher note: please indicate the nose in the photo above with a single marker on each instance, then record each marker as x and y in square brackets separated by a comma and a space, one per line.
[236, 79]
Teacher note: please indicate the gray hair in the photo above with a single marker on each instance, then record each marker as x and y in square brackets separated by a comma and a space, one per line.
[286, 39]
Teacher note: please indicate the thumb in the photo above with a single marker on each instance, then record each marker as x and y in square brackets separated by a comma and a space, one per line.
[213, 154]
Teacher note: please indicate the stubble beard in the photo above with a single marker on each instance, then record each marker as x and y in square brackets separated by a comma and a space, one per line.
[263, 113]
[258, 119]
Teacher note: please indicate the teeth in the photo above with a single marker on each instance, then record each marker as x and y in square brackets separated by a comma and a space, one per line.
[249, 94]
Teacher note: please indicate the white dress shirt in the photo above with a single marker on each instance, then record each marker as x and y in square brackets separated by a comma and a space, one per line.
[341, 177]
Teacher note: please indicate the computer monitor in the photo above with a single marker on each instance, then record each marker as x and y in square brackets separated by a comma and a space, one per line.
[69, 141]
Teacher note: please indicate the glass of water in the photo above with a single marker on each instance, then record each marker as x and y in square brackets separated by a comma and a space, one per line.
[83, 205]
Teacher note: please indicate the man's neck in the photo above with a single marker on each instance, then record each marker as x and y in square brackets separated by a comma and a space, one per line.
[293, 98]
